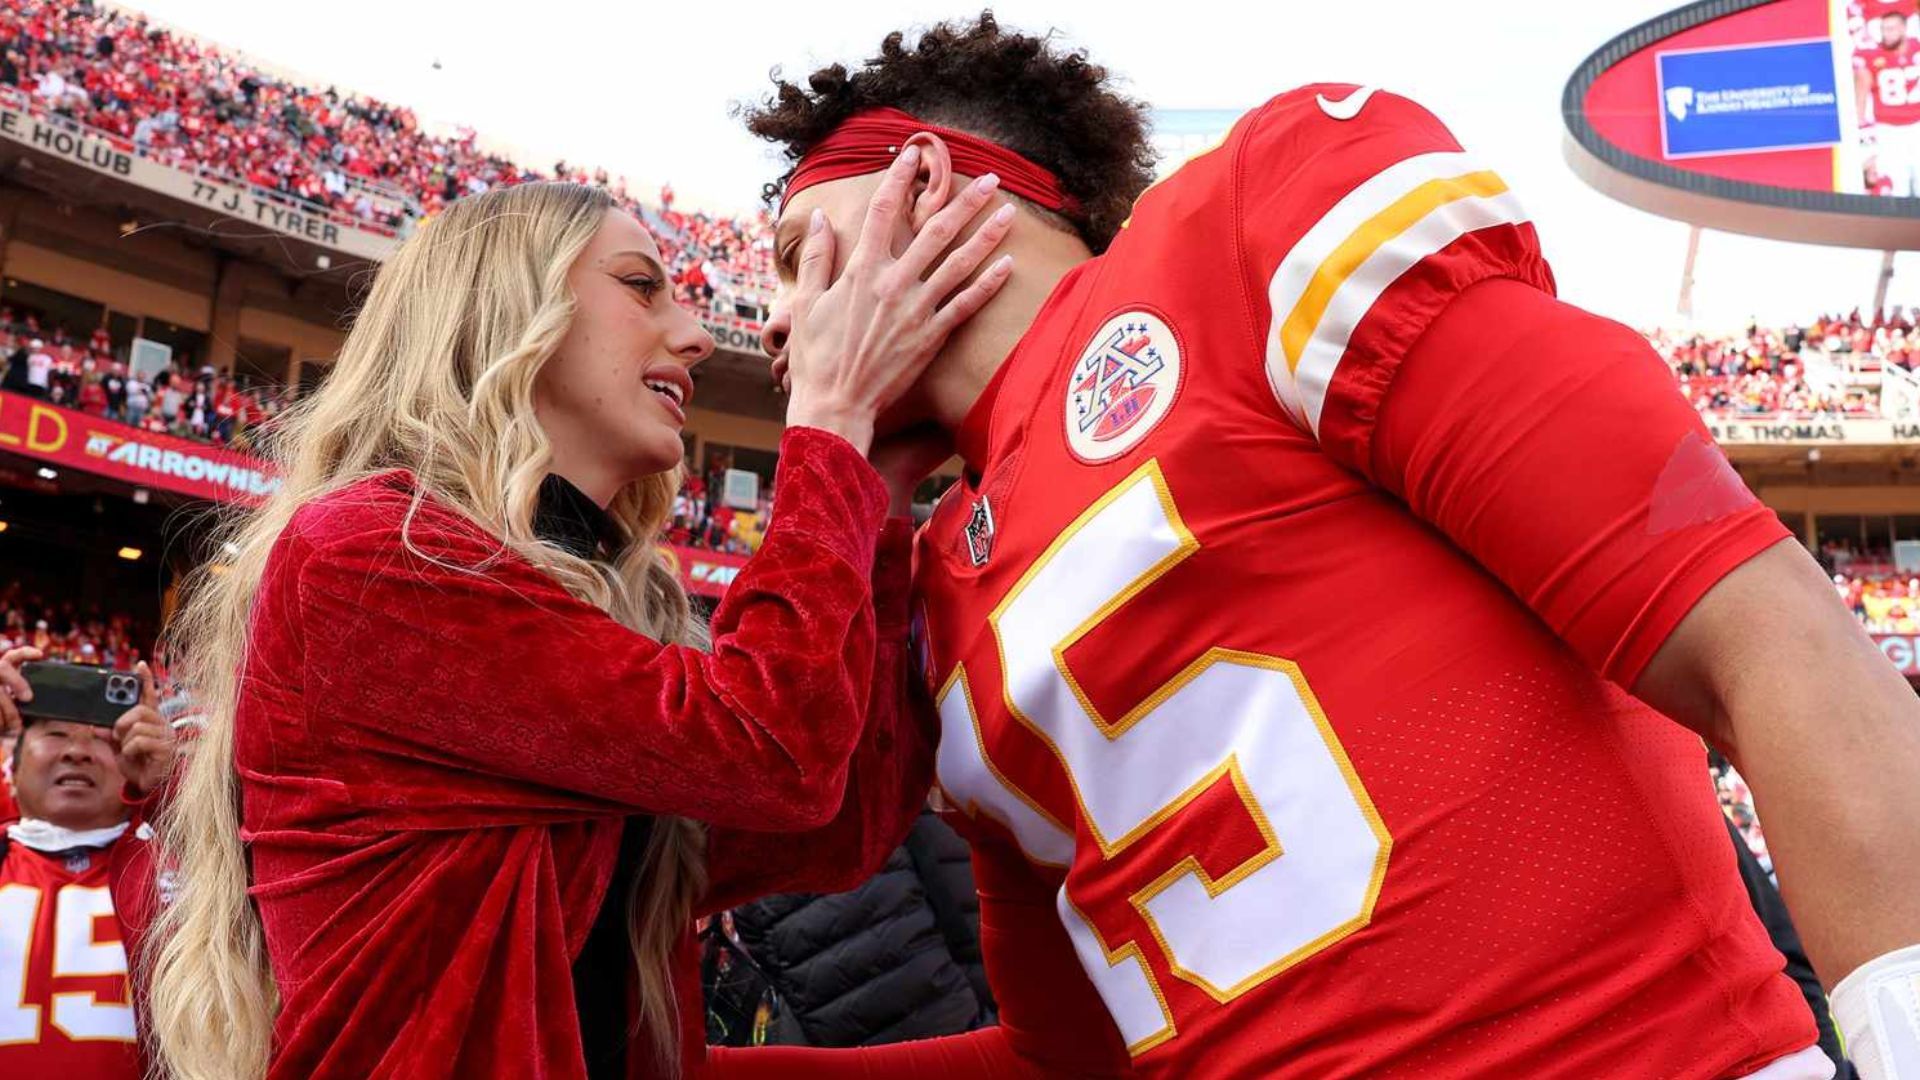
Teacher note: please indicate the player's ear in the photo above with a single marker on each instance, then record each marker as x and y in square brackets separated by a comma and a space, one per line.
[934, 186]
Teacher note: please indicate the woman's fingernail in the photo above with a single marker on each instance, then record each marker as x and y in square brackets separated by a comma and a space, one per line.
[817, 221]
[986, 183]
[1004, 265]
[1003, 215]
[911, 155]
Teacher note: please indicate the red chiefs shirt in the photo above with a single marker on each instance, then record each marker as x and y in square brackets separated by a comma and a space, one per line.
[1268, 635]
[1894, 79]
[65, 1004]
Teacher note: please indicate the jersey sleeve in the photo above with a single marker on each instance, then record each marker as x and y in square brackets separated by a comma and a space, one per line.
[1359, 218]
[1552, 446]
[1410, 328]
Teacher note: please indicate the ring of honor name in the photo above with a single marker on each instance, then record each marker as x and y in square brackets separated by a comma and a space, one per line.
[1122, 386]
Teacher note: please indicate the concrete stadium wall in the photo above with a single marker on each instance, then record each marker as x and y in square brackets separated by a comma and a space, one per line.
[175, 276]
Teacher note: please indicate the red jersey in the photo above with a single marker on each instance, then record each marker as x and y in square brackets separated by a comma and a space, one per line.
[65, 1004]
[1265, 627]
[1894, 81]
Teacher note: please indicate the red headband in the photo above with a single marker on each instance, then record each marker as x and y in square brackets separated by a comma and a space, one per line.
[868, 141]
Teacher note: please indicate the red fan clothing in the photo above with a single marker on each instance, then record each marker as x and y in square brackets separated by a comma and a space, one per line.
[67, 924]
[1894, 80]
[93, 398]
[437, 746]
[1271, 633]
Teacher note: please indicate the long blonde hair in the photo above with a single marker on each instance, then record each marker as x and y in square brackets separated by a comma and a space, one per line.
[436, 377]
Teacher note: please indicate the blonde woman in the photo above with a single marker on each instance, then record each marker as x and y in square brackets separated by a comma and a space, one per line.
[447, 665]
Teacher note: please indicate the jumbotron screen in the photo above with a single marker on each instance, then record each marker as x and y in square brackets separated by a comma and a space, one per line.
[1807, 95]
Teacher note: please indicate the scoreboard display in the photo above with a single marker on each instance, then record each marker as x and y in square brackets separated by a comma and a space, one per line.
[1808, 106]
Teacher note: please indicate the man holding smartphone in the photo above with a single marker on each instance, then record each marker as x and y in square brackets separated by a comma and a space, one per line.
[75, 881]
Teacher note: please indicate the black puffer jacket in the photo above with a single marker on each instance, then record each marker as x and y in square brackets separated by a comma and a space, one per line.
[945, 865]
[897, 958]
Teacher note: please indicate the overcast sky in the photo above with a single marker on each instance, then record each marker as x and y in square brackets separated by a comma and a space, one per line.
[645, 90]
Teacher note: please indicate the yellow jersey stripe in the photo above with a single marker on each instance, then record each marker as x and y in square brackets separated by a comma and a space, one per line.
[1368, 238]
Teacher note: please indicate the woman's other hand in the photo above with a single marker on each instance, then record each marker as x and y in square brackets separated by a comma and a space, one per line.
[860, 342]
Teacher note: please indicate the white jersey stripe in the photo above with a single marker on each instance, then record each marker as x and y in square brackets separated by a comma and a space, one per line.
[1445, 224]
[1296, 270]
[1300, 381]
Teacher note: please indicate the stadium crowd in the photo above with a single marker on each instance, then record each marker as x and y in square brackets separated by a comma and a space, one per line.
[1763, 371]
[193, 105]
[1882, 592]
[1888, 604]
[1736, 799]
[88, 376]
[62, 630]
[701, 521]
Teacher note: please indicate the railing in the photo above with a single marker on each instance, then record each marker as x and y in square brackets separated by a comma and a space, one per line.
[385, 195]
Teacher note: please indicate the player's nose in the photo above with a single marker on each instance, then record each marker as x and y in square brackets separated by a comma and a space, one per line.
[773, 336]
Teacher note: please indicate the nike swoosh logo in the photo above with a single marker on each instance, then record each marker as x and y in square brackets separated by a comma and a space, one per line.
[1348, 107]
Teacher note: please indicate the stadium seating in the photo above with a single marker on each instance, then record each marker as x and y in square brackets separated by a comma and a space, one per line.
[62, 631]
[191, 104]
[1837, 366]
[1886, 601]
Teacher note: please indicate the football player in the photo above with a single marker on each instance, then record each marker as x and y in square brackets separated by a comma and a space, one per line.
[1311, 624]
[1887, 91]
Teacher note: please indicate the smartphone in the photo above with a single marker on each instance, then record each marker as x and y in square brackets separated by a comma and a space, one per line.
[79, 693]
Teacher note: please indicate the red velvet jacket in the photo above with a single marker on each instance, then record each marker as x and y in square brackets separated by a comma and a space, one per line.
[435, 762]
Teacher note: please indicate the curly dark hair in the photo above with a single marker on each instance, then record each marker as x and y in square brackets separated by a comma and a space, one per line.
[1053, 107]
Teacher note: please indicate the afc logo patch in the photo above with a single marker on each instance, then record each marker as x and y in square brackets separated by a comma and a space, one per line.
[1122, 386]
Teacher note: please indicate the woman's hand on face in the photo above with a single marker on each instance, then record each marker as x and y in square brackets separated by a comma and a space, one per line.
[858, 343]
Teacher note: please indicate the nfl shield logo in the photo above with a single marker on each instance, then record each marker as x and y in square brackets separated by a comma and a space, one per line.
[980, 532]
[1122, 385]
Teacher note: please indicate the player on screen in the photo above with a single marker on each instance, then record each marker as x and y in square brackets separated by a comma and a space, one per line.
[1887, 88]
[1299, 625]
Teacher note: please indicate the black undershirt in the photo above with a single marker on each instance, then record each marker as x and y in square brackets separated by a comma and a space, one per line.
[602, 975]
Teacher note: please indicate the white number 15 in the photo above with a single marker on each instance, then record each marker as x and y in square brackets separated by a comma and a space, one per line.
[1244, 716]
